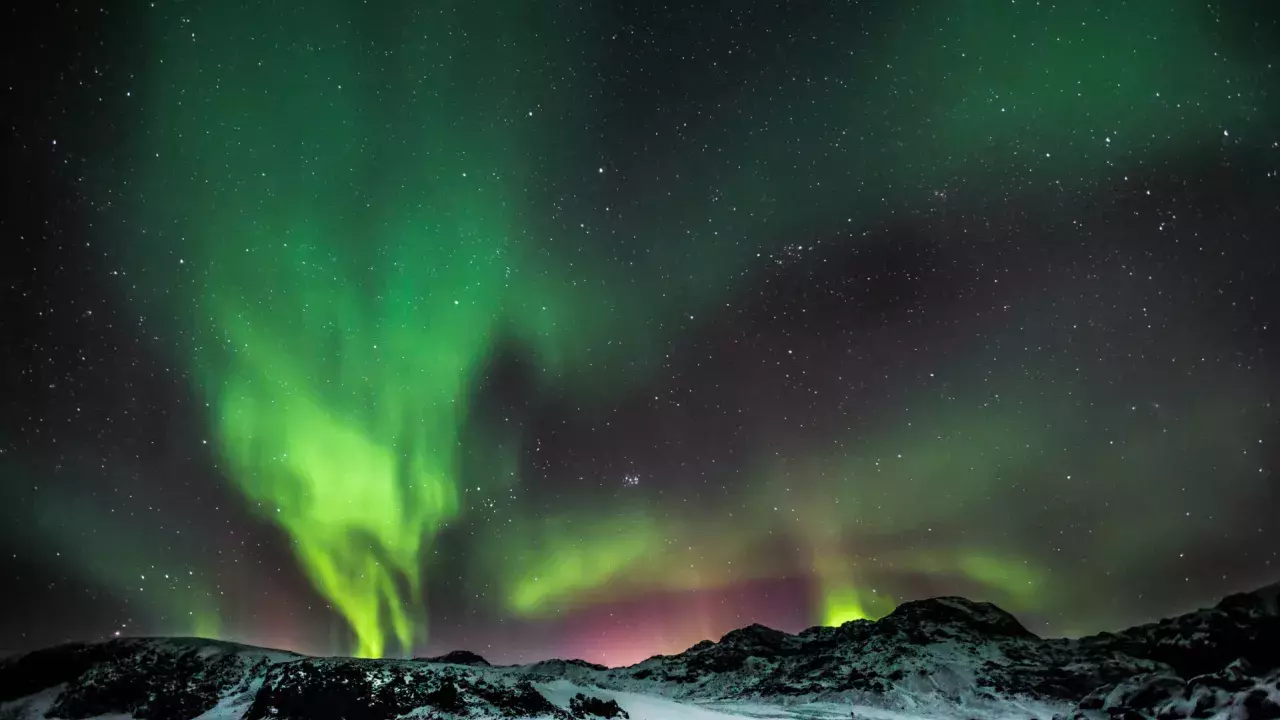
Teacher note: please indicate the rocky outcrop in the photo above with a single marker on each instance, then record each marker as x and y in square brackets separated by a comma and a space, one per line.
[458, 657]
[145, 678]
[1236, 692]
[584, 706]
[382, 690]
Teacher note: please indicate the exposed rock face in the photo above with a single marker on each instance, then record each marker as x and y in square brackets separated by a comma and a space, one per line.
[360, 690]
[956, 614]
[1222, 662]
[1245, 626]
[1234, 692]
[585, 706]
[145, 678]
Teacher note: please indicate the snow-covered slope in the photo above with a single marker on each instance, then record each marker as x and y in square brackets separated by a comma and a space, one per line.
[944, 649]
[939, 658]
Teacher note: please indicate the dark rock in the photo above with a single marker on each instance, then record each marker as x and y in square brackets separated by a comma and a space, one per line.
[525, 701]
[754, 638]
[163, 679]
[330, 688]
[950, 615]
[445, 698]
[1246, 625]
[36, 671]
[379, 690]
[459, 657]
[583, 706]
[1259, 705]
[563, 667]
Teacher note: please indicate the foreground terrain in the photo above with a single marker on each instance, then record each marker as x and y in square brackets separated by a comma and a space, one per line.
[940, 658]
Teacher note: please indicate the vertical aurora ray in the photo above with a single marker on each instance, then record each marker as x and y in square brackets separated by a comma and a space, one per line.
[359, 480]
[349, 213]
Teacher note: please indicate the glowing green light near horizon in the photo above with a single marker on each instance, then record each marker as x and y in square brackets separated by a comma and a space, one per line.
[844, 603]
[206, 624]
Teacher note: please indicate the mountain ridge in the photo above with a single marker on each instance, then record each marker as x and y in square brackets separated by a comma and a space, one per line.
[950, 655]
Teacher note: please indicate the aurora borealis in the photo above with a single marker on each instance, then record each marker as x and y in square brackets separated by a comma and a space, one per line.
[597, 330]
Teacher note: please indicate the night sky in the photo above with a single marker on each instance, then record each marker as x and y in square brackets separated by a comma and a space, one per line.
[595, 329]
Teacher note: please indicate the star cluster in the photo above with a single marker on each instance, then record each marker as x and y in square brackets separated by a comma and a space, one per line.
[598, 330]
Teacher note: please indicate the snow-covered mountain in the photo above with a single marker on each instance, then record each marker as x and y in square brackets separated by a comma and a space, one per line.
[940, 658]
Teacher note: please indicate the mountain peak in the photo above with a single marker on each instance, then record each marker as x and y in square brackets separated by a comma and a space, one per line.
[953, 612]
[459, 657]
[1264, 601]
[754, 634]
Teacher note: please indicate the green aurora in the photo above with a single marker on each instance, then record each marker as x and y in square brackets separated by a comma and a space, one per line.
[369, 202]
